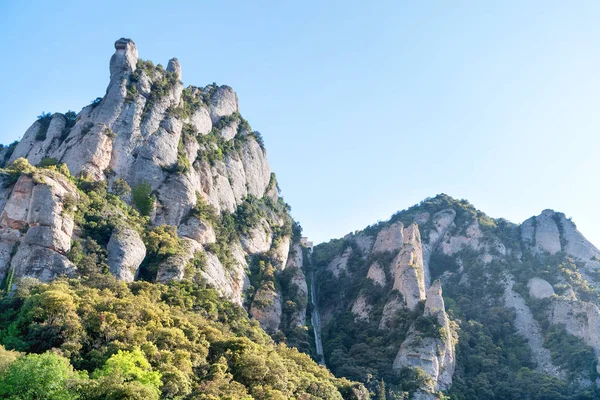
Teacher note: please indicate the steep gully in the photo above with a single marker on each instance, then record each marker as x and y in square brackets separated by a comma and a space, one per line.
[316, 319]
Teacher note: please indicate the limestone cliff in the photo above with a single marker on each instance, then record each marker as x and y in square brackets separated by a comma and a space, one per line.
[539, 277]
[186, 152]
[158, 182]
[431, 351]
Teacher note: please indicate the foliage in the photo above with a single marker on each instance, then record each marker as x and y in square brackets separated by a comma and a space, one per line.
[44, 122]
[70, 120]
[161, 243]
[87, 127]
[130, 338]
[8, 152]
[162, 83]
[121, 188]
[95, 102]
[47, 162]
[130, 366]
[39, 376]
[142, 198]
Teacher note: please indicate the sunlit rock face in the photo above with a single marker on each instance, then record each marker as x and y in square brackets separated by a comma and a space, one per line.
[187, 144]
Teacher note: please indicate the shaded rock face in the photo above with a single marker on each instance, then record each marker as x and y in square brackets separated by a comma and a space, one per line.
[552, 232]
[36, 228]
[267, 305]
[526, 324]
[377, 274]
[362, 308]
[267, 308]
[434, 355]
[126, 251]
[581, 319]
[442, 221]
[407, 273]
[340, 263]
[298, 284]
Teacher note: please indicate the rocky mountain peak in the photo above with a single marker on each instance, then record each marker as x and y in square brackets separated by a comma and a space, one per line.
[125, 59]
[183, 158]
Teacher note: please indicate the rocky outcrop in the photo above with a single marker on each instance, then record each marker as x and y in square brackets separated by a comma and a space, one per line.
[581, 319]
[434, 355]
[149, 130]
[197, 230]
[267, 308]
[223, 102]
[407, 268]
[540, 288]
[36, 224]
[298, 284]
[526, 324]
[361, 308]
[542, 233]
[551, 232]
[407, 274]
[174, 267]
[441, 222]
[126, 251]
[259, 239]
[340, 263]
[134, 133]
[390, 238]
[377, 274]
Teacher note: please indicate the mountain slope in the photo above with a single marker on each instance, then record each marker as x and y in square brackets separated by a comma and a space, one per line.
[145, 251]
[155, 183]
[521, 304]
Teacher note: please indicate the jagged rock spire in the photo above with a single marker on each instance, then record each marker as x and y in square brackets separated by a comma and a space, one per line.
[175, 67]
[125, 58]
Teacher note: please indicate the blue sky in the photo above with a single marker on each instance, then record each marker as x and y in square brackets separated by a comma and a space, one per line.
[365, 107]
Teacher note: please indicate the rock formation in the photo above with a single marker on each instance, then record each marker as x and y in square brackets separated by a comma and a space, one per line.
[433, 354]
[188, 147]
[36, 224]
[176, 185]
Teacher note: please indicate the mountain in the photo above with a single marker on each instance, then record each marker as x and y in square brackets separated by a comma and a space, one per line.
[442, 298]
[152, 184]
[145, 252]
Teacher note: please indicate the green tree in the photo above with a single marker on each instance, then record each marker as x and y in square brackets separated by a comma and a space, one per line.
[130, 366]
[39, 376]
[142, 198]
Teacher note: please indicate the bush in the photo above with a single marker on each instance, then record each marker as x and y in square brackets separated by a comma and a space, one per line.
[142, 198]
[44, 119]
[39, 376]
[121, 188]
[10, 149]
[47, 162]
[96, 101]
[133, 337]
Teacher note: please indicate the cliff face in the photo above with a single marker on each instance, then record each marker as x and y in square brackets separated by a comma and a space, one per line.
[162, 183]
[540, 276]
[184, 157]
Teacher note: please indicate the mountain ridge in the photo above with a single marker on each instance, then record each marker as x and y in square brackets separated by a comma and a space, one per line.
[164, 195]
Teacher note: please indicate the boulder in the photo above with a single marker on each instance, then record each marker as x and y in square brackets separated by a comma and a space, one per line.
[126, 251]
[540, 288]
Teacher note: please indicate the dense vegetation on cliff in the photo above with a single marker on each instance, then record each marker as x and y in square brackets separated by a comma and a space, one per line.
[100, 338]
[493, 359]
[146, 253]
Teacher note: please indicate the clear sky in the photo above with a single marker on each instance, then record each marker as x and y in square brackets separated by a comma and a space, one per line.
[366, 107]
